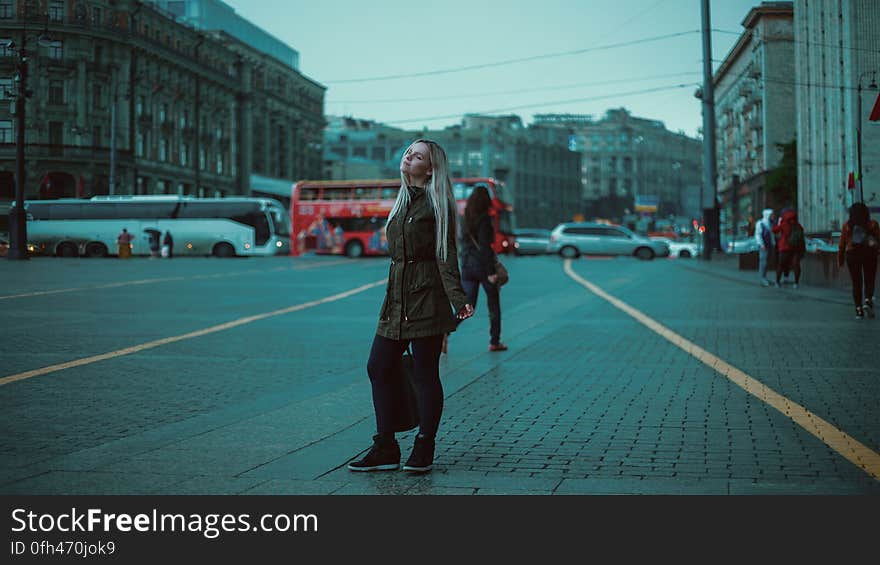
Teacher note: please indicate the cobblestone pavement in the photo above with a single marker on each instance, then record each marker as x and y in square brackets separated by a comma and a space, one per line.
[586, 401]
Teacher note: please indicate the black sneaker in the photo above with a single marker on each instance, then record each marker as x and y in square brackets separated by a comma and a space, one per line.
[421, 460]
[869, 308]
[383, 456]
[860, 313]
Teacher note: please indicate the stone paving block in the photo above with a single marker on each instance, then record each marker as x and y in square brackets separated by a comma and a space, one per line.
[651, 486]
[91, 482]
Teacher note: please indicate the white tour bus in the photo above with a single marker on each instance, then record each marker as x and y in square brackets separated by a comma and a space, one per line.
[223, 227]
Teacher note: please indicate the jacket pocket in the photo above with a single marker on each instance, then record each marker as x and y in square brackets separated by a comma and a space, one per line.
[420, 301]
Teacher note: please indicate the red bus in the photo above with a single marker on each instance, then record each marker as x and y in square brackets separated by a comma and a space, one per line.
[348, 216]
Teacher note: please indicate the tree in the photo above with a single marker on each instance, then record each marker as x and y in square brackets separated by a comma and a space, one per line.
[782, 180]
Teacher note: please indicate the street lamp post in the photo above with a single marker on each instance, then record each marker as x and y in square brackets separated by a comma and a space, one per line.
[872, 86]
[17, 215]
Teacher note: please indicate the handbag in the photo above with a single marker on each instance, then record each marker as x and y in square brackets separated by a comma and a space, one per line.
[500, 269]
[404, 394]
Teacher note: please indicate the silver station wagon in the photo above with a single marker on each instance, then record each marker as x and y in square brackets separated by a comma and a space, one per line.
[572, 240]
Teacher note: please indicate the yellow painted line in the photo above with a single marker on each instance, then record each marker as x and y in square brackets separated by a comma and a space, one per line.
[857, 453]
[190, 335]
[169, 279]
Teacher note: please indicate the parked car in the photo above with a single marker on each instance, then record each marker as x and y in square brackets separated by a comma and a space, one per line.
[741, 245]
[824, 241]
[573, 239]
[678, 248]
[531, 241]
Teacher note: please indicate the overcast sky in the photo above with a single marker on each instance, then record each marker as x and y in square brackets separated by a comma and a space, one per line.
[655, 76]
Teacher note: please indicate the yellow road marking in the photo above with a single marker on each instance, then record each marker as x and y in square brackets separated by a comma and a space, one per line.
[169, 279]
[190, 335]
[857, 453]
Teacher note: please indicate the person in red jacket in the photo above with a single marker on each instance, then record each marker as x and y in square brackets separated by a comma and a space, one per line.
[791, 245]
[859, 244]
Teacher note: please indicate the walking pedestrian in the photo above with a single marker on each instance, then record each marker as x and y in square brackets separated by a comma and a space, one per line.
[424, 279]
[168, 245]
[764, 238]
[478, 261]
[859, 247]
[791, 245]
[154, 242]
[123, 244]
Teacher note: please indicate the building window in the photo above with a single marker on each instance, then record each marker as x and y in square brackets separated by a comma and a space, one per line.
[184, 154]
[97, 97]
[163, 113]
[184, 119]
[6, 91]
[96, 15]
[5, 131]
[56, 133]
[219, 163]
[56, 10]
[56, 50]
[163, 149]
[5, 9]
[203, 158]
[99, 55]
[139, 106]
[97, 139]
[5, 51]
[139, 145]
[56, 92]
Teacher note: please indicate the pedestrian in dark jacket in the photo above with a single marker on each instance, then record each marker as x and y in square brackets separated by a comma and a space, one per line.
[790, 250]
[168, 245]
[858, 247]
[478, 261]
[423, 302]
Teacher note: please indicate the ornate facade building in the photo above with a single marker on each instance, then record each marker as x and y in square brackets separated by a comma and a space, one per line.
[128, 98]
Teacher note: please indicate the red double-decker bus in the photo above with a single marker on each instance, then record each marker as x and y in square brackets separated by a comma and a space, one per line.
[348, 217]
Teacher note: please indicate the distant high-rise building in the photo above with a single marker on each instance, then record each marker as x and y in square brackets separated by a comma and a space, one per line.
[837, 54]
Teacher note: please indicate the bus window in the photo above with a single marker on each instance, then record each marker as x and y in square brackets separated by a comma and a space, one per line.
[66, 212]
[361, 193]
[337, 193]
[390, 192]
[103, 211]
[259, 222]
[308, 193]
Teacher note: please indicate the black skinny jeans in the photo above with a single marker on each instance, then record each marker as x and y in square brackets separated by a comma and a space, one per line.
[788, 261]
[471, 283]
[426, 362]
[862, 266]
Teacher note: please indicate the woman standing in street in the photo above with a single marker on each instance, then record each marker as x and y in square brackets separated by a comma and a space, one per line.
[478, 261]
[858, 247]
[423, 282]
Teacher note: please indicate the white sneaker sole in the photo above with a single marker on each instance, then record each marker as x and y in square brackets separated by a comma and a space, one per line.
[412, 469]
[386, 467]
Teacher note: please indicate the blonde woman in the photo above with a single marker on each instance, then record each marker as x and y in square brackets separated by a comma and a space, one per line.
[424, 301]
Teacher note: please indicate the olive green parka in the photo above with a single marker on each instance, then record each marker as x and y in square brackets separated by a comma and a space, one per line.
[420, 287]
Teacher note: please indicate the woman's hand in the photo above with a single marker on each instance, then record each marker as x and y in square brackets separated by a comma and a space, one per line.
[466, 312]
[493, 279]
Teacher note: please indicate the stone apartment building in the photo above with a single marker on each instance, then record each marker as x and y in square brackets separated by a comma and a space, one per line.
[754, 112]
[130, 98]
[625, 157]
[540, 174]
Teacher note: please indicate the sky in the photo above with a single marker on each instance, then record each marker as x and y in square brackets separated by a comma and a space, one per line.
[502, 56]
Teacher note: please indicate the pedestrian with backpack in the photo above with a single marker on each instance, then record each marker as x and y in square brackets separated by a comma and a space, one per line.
[791, 245]
[764, 238]
[859, 247]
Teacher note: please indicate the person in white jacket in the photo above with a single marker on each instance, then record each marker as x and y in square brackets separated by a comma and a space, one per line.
[764, 238]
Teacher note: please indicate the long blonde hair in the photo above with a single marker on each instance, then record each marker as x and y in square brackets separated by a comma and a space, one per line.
[439, 193]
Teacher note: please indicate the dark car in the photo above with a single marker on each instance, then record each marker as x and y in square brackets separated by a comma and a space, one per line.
[531, 241]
